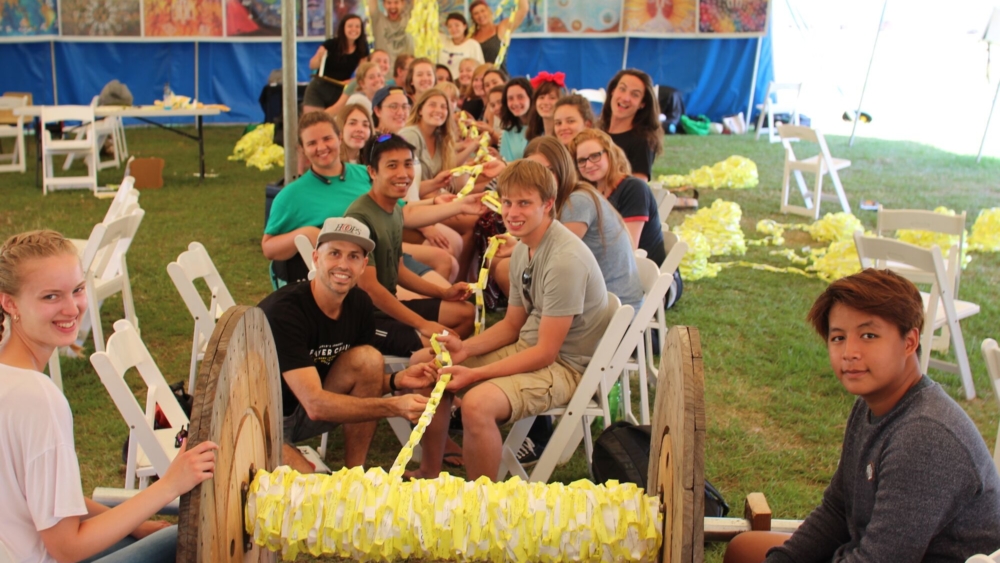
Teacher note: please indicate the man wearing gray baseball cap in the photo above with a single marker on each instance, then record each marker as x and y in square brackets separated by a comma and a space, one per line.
[330, 373]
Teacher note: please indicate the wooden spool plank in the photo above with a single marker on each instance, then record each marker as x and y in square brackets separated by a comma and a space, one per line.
[679, 412]
[238, 406]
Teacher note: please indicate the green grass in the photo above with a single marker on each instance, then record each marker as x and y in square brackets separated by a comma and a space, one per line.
[775, 412]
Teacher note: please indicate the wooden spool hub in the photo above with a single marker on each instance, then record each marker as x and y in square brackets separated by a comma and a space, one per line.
[677, 460]
[237, 405]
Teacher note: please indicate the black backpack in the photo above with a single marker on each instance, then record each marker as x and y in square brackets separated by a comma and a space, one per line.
[621, 453]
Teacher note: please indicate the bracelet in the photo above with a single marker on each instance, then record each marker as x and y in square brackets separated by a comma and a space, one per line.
[392, 382]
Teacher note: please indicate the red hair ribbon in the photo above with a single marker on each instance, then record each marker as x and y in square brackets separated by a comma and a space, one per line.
[558, 78]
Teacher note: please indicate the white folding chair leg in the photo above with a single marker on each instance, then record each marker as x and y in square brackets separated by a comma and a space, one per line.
[508, 457]
[55, 370]
[643, 385]
[841, 196]
[96, 330]
[127, 297]
[193, 371]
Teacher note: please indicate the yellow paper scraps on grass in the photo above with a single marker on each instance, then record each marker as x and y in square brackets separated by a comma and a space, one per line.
[258, 149]
[986, 231]
[712, 231]
[735, 172]
[927, 239]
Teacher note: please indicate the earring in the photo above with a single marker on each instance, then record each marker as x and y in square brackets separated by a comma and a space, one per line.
[16, 318]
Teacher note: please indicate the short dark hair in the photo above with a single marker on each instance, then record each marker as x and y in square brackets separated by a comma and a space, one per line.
[307, 120]
[371, 153]
[459, 17]
[882, 293]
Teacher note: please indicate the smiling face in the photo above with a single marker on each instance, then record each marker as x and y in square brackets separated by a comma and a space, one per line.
[626, 99]
[441, 75]
[523, 211]
[594, 160]
[394, 173]
[456, 30]
[321, 145]
[381, 58]
[393, 8]
[393, 112]
[518, 101]
[423, 78]
[492, 80]
[482, 16]
[339, 264]
[465, 70]
[496, 102]
[434, 111]
[352, 28]
[567, 122]
[477, 86]
[870, 357]
[372, 82]
[357, 129]
[50, 304]
[545, 103]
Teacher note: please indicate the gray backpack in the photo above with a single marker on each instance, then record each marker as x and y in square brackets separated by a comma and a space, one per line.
[115, 93]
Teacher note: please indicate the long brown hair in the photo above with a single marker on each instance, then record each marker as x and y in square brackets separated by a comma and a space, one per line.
[646, 120]
[618, 166]
[408, 83]
[442, 133]
[347, 154]
[19, 249]
[536, 124]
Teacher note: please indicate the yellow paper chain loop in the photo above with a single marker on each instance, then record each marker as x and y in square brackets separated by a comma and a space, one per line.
[505, 40]
[424, 27]
[479, 286]
[986, 231]
[491, 201]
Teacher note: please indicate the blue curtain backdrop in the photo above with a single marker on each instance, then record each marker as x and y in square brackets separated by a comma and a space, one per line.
[713, 75]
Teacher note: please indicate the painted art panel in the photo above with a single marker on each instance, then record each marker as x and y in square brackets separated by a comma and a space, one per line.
[733, 16]
[258, 18]
[584, 16]
[183, 18]
[101, 18]
[661, 16]
[28, 17]
[316, 14]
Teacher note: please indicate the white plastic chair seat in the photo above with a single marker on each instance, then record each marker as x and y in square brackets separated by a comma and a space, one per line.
[964, 310]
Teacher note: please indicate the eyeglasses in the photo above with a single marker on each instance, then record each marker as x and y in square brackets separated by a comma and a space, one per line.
[397, 107]
[592, 158]
[526, 287]
[380, 139]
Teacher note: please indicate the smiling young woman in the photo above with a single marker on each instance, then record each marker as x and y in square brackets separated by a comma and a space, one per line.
[514, 111]
[339, 58]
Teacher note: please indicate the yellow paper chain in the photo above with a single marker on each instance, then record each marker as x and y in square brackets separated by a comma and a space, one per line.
[734, 172]
[258, 149]
[369, 28]
[424, 27]
[927, 239]
[986, 231]
[491, 201]
[484, 277]
[505, 40]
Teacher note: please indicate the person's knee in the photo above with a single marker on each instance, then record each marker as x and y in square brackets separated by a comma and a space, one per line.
[483, 407]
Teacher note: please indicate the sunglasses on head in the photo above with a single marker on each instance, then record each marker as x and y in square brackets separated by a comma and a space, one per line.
[380, 139]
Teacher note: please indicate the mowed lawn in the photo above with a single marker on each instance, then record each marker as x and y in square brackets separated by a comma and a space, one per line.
[775, 411]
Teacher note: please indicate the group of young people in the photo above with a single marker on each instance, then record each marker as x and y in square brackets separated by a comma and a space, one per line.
[393, 246]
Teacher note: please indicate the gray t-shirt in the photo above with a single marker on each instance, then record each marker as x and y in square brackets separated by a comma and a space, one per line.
[610, 244]
[565, 280]
[430, 166]
[391, 36]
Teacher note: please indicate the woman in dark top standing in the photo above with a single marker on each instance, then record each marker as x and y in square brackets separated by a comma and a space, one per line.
[602, 163]
[339, 58]
[631, 116]
[488, 33]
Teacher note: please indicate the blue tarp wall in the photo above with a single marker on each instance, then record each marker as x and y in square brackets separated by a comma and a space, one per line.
[714, 75]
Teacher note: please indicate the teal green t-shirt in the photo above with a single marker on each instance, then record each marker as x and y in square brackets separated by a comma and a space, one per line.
[312, 199]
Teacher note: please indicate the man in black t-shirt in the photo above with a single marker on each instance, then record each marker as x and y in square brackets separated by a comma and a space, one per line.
[330, 374]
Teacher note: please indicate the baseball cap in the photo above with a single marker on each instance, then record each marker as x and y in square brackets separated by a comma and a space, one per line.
[346, 229]
[384, 93]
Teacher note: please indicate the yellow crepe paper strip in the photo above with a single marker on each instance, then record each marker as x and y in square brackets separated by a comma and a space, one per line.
[505, 40]
[479, 321]
[369, 28]
[491, 201]
[258, 149]
[424, 27]
[735, 172]
[838, 260]
[367, 516]
[927, 239]
[986, 231]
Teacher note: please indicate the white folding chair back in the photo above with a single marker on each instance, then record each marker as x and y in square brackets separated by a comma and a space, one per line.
[104, 128]
[819, 165]
[191, 265]
[980, 558]
[593, 96]
[12, 127]
[941, 309]
[84, 146]
[665, 201]
[105, 269]
[589, 400]
[780, 98]
[991, 355]
[305, 249]
[150, 451]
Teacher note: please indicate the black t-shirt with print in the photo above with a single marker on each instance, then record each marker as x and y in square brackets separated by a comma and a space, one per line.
[304, 336]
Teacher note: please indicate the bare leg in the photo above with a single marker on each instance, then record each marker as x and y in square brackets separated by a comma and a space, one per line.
[439, 259]
[751, 547]
[292, 457]
[465, 226]
[500, 268]
[358, 373]
[484, 407]
[459, 316]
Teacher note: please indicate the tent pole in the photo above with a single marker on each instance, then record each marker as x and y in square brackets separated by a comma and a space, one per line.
[196, 70]
[289, 88]
[857, 114]
[988, 119]
[55, 85]
[329, 19]
[753, 79]
[625, 55]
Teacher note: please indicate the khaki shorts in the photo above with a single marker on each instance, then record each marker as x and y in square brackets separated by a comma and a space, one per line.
[534, 392]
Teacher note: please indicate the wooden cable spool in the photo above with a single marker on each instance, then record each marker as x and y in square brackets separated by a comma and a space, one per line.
[237, 405]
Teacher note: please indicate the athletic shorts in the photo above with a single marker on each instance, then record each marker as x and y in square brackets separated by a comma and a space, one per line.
[415, 266]
[394, 338]
[320, 93]
[298, 426]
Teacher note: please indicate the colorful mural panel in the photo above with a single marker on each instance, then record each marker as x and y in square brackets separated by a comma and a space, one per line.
[182, 18]
[28, 17]
[111, 18]
[661, 16]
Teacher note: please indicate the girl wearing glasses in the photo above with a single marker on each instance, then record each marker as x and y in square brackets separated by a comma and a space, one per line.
[514, 109]
[602, 163]
[457, 46]
[339, 58]
[632, 118]
[46, 517]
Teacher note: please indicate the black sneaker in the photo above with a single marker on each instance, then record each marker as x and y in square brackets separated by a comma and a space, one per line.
[527, 454]
[455, 423]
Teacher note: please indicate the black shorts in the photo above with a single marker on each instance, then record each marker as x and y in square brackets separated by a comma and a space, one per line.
[320, 93]
[394, 338]
[297, 426]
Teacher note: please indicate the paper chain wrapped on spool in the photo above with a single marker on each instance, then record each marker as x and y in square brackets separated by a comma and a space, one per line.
[252, 507]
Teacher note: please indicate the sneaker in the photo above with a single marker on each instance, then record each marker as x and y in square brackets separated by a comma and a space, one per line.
[527, 455]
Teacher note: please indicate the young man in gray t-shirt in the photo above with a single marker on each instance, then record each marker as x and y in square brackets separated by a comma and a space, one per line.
[389, 29]
[534, 357]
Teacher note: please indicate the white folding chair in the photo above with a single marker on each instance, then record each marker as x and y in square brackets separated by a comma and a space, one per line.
[588, 401]
[84, 145]
[780, 98]
[149, 451]
[593, 96]
[991, 355]
[820, 164]
[105, 269]
[890, 221]
[665, 201]
[676, 249]
[191, 265]
[104, 128]
[12, 127]
[305, 249]
[980, 558]
[941, 308]
[655, 284]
